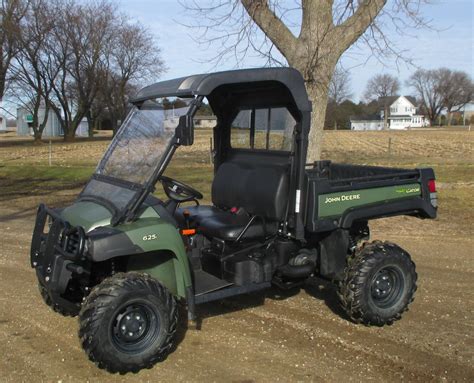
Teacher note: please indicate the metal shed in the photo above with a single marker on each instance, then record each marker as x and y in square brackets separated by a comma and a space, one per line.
[53, 127]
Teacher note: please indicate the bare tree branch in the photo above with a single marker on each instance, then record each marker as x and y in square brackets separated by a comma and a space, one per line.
[310, 35]
[339, 87]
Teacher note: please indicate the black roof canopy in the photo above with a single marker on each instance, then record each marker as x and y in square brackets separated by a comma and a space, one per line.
[205, 84]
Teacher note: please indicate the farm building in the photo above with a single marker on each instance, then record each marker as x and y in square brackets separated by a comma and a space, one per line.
[3, 123]
[403, 114]
[205, 121]
[366, 123]
[467, 112]
[53, 127]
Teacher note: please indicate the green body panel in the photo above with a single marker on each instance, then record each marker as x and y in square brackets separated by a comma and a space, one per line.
[153, 235]
[89, 215]
[335, 204]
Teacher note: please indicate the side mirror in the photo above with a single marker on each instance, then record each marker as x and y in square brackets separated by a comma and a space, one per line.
[185, 130]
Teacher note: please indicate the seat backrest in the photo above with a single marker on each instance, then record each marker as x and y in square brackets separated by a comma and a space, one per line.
[257, 182]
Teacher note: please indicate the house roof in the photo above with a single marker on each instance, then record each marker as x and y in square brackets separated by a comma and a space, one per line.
[366, 117]
[391, 99]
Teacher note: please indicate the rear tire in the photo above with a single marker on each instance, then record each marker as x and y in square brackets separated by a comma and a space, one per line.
[56, 306]
[379, 284]
[128, 323]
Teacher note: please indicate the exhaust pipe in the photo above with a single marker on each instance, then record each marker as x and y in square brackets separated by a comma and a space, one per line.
[297, 271]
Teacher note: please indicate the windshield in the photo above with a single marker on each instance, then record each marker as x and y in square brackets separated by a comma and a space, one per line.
[135, 153]
[143, 138]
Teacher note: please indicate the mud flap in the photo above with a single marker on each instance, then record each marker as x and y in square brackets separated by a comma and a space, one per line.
[333, 253]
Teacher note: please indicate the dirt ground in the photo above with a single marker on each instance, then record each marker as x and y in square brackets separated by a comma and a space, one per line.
[266, 337]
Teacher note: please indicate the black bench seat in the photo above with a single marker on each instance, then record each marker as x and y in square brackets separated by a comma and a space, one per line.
[257, 185]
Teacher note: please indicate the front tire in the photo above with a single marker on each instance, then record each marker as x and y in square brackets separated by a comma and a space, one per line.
[128, 323]
[379, 284]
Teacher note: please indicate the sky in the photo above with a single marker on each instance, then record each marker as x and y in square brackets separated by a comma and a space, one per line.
[450, 44]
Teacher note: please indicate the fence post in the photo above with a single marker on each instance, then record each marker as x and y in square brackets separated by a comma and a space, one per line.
[390, 146]
[50, 153]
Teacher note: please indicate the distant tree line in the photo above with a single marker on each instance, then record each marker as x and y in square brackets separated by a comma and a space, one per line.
[435, 90]
[79, 59]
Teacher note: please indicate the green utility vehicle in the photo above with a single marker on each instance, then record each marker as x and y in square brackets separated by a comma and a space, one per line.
[123, 260]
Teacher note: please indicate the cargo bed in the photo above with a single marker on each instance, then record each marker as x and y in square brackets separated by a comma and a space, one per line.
[339, 194]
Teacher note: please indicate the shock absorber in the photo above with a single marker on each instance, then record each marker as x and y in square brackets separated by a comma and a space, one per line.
[352, 243]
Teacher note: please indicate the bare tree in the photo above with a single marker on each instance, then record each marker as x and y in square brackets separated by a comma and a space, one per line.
[312, 42]
[426, 85]
[32, 86]
[456, 89]
[339, 91]
[79, 59]
[135, 58]
[83, 40]
[340, 86]
[382, 87]
[11, 13]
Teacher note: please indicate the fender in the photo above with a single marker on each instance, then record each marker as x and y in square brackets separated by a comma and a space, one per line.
[153, 245]
[409, 206]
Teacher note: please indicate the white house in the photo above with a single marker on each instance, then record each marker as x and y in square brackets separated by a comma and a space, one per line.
[403, 114]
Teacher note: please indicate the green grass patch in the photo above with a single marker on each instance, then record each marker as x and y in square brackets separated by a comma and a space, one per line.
[59, 173]
[17, 181]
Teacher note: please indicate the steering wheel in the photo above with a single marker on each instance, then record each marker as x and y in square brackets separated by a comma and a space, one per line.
[179, 192]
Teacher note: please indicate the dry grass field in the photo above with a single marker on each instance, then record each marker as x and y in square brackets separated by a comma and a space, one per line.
[259, 337]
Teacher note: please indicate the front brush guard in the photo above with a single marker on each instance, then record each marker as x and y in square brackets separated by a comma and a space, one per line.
[54, 250]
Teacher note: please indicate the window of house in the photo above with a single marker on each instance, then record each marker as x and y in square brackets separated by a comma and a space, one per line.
[268, 129]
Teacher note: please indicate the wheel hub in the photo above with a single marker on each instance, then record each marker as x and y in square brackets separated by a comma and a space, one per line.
[134, 327]
[383, 285]
[387, 287]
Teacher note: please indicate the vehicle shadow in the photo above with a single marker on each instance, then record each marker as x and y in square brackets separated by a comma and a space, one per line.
[326, 291]
[317, 288]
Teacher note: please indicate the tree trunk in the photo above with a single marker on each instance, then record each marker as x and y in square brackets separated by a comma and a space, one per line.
[287, 136]
[319, 97]
[90, 124]
[385, 118]
[114, 123]
[37, 138]
[70, 134]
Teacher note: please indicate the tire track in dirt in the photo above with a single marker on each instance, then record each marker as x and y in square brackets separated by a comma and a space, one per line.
[258, 337]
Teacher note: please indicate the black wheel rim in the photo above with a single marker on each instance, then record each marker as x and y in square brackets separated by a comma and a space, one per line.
[387, 287]
[135, 327]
